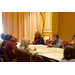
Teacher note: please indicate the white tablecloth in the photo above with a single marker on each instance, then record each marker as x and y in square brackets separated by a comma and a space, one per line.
[51, 52]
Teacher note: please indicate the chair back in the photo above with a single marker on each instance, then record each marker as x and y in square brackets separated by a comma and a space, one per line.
[25, 56]
[18, 55]
[6, 54]
[65, 43]
[48, 41]
[37, 58]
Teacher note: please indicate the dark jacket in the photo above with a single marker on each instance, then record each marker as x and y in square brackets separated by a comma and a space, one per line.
[40, 40]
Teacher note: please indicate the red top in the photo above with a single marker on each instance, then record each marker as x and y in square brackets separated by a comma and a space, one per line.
[10, 46]
[36, 40]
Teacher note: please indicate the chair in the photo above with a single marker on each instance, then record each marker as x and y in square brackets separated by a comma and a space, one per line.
[37, 58]
[48, 41]
[6, 54]
[25, 56]
[65, 43]
[18, 55]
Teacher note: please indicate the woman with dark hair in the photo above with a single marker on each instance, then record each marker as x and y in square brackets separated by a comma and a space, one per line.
[69, 54]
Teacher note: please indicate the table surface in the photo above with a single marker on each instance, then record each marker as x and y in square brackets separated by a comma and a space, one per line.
[50, 52]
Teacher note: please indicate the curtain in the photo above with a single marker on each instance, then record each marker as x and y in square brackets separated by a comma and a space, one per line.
[22, 24]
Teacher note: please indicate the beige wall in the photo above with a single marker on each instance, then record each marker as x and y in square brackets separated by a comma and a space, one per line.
[61, 23]
[51, 25]
[66, 25]
[47, 31]
[54, 23]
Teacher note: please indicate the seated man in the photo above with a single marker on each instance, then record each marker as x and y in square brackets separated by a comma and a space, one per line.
[10, 45]
[57, 42]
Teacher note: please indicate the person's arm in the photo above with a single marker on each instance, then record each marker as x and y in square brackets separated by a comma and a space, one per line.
[59, 44]
[50, 45]
[29, 51]
[13, 47]
[13, 51]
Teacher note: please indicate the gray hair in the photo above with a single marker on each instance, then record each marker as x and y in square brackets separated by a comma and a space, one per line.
[24, 43]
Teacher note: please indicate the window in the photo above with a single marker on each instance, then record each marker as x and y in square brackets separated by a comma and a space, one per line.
[1, 29]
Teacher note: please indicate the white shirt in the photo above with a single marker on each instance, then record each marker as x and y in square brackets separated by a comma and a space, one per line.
[64, 60]
[1, 40]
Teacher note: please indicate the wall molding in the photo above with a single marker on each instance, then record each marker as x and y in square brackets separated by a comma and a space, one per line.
[47, 33]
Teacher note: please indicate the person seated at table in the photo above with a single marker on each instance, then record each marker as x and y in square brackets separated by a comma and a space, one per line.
[5, 40]
[3, 44]
[69, 54]
[3, 37]
[24, 46]
[10, 45]
[38, 38]
[57, 42]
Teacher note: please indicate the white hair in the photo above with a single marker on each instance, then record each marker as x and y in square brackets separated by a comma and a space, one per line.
[24, 43]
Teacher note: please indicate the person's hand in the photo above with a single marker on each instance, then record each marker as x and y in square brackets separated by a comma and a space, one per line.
[49, 45]
[33, 42]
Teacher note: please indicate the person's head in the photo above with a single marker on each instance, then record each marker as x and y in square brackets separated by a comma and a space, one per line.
[37, 34]
[24, 42]
[11, 38]
[69, 52]
[73, 37]
[2, 35]
[6, 37]
[55, 37]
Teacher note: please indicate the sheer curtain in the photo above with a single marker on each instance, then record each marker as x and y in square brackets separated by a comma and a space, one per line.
[22, 24]
[1, 28]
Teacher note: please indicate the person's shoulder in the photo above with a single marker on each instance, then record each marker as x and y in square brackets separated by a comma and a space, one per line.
[60, 40]
[40, 37]
[72, 60]
[11, 42]
[63, 60]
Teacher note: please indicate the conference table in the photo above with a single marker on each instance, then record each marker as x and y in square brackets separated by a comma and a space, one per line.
[49, 52]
